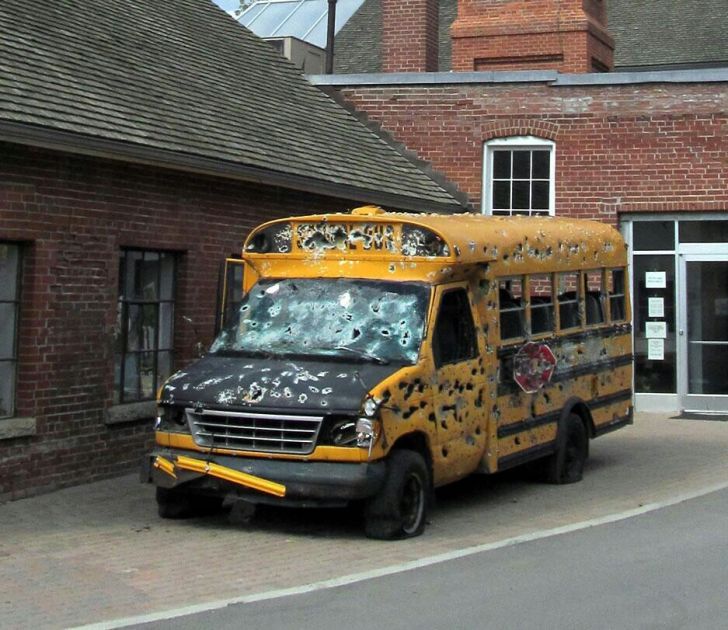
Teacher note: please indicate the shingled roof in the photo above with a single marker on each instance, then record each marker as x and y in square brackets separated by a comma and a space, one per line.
[182, 85]
[649, 35]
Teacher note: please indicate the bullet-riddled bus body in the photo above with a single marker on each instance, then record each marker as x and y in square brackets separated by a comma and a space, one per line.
[377, 356]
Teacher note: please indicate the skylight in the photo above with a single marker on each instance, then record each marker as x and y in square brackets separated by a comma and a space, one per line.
[304, 19]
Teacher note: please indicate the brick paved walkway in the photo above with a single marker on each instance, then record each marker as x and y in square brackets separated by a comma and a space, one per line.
[99, 552]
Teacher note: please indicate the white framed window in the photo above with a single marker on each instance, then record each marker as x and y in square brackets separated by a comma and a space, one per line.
[518, 176]
[10, 260]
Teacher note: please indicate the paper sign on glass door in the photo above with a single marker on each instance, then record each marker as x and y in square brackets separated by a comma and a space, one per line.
[655, 330]
[655, 307]
[655, 350]
[655, 280]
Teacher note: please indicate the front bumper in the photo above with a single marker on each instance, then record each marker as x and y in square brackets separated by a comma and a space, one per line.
[257, 480]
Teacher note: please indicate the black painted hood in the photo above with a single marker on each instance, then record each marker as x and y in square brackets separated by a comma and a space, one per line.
[264, 384]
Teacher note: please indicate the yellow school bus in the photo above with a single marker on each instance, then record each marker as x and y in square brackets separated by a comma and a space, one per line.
[376, 356]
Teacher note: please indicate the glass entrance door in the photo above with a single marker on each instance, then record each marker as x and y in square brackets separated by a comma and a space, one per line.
[703, 334]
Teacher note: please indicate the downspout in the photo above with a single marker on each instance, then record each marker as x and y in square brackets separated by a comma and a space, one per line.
[330, 32]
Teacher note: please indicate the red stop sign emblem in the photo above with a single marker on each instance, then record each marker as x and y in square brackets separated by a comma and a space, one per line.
[533, 366]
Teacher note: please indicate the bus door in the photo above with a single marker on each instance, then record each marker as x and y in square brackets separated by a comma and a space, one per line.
[459, 388]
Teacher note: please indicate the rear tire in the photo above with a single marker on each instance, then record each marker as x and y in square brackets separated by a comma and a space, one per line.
[566, 465]
[399, 510]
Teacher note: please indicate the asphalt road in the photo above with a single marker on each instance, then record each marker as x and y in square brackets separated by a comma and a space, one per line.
[664, 569]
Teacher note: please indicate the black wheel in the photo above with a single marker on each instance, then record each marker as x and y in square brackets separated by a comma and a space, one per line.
[175, 503]
[400, 508]
[566, 465]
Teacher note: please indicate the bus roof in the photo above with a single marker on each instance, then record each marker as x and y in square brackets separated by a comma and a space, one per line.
[462, 238]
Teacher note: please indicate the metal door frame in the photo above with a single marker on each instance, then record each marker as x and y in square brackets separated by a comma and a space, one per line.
[704, 403]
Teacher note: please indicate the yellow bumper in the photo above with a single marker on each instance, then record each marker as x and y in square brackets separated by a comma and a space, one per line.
[221, 472]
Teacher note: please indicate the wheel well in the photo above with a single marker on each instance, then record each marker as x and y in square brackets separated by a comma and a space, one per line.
[580, 408]
[416, 442]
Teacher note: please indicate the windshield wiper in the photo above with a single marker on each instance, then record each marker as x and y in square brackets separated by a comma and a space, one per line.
[364, 354]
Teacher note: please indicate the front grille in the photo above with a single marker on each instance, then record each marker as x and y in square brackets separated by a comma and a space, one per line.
[266, 433]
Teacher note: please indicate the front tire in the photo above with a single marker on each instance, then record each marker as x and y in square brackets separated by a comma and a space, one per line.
[566, 465]
[399, 510]
[173, 503]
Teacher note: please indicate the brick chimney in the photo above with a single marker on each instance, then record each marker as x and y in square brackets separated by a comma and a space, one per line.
[409, 35]
[564, 35]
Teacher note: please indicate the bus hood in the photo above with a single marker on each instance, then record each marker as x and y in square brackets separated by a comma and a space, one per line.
[313, 386]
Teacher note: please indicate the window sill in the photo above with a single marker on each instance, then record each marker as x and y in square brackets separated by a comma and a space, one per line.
[130, 412]
[12, 428]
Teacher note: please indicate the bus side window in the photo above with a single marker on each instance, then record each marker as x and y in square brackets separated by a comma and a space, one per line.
[593, 297]
[511, 308]
[569, 312]
[615, 291]
[542, 304]
[454, 336]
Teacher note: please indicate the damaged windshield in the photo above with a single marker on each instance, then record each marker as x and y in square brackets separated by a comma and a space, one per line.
[366, 319]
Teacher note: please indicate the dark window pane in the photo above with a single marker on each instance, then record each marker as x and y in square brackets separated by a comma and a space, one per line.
[147, 370]
[521, 165]
[521, 194]
[706, 369]
[654, 235]
[454, 338]
[147, 282]
[166, 291]
[166, 312]
[501, 164]
[704, 231]
[540, 195]
[164, 368]
[9, 257]
[134, 332]
[7, 388]
[541, 165]
[130, 262]
[7, 330]
[501, 195]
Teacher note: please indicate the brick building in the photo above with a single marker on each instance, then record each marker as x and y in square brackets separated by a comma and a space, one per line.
[531, 122]
[139, 142]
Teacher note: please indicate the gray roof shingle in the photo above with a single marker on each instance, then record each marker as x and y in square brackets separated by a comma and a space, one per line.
[647, 34]
[184, 79]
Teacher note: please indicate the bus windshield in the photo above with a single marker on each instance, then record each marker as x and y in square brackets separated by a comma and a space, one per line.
[368, 320]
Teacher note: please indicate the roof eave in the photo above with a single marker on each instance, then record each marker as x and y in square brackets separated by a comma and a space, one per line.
[69, 142]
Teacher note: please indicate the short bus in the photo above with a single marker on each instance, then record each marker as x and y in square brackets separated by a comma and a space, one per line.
[376, 356]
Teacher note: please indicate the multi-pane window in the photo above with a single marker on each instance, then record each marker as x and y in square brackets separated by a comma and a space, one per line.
[145, 317]
[519, 177]
[9, 300]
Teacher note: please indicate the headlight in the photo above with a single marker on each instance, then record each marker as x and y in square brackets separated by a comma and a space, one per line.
[367, 432]
[371, 407]
[171, 418]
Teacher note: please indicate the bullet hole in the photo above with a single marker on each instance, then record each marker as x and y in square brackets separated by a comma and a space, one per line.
[324, 403]
[431, 417]
[302, 398]
[385, 332]
[409, 412]
[423, 404]
[477, 431]
[546, 398]
[443, 424]
[444, 451]
[469, 440]
[474, 372]
[355, 333]
[469, 387]
[517, 441]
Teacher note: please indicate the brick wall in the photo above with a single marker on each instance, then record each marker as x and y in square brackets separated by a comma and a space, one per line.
[409, 35]
[618, 148]
[74, 214]
[564, 35]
